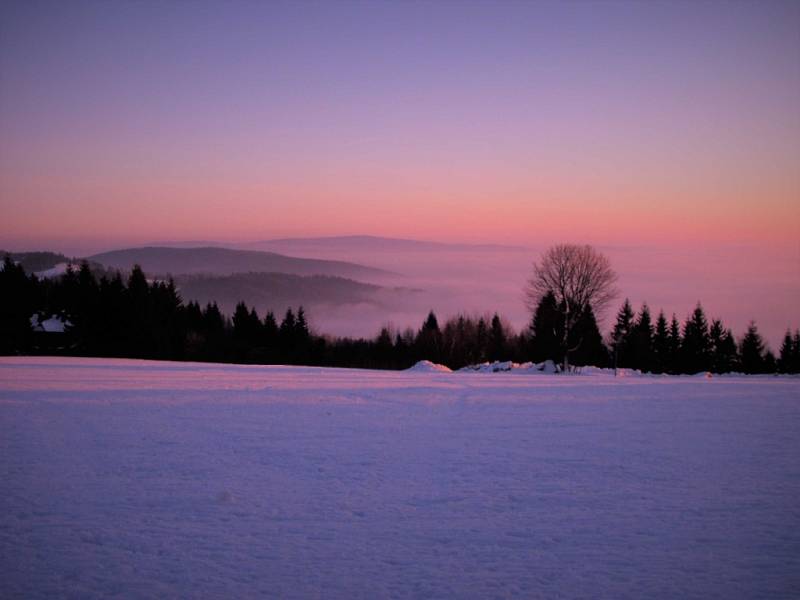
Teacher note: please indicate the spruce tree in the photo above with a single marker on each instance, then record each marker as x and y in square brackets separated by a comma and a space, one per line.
[621, 336]
[195, 338]
[796, 352]
[497, 339]
[215, 336]
[241, 324]
[481, 341]
[111, 316]
[139, 324]
[429, 339]
[269, 330]
[696, 346]
[716, 333]
[286, 336]
[641, 343]
[84, 318]
[770, 364]
[16, 308]
[301, 325]
[727, 353]
[752, 350]
[674, 346]
[788, 358]
[384, 350]
[587, 342]
[546, 331]
[661, 345]
[168, 329]
[254, 328]
[302, 337]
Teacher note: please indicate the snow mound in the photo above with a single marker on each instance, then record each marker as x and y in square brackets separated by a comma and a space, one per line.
[426, 366]
[704, 375]
[53, 324]
[490, 367]
[547, 367]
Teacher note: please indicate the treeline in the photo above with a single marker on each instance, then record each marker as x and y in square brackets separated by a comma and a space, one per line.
[132, 317]
[661, 347]
[666, 347]
[137, 318]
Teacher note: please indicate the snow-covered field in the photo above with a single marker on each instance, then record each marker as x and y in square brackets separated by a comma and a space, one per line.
[145, 479]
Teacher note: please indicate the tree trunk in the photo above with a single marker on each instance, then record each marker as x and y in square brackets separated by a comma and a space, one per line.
[566, 339]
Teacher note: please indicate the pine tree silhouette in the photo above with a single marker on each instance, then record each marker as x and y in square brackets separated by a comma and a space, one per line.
[674, 346]
[641, 341]
[621, 336]
[497, 339]
[587, 342]
[752, 351]
[546, 331]
[696, 346]
[428, 343]
[661, 344]
[17, 305]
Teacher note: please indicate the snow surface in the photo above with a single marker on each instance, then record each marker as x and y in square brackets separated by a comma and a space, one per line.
[146, 479]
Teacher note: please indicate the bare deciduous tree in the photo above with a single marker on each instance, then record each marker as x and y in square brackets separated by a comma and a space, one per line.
[579, 276]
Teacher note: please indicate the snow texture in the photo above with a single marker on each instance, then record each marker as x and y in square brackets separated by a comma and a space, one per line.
[146, 479]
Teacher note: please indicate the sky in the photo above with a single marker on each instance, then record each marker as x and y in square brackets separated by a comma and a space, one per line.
[623, 123]
[650, 129]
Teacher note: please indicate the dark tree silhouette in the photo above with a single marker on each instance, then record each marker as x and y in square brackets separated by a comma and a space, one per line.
[696, 345]
[675, 343]
[497, 339]
[642, 341]
[789, 359]
[579, 277]
[661, 350]
[723, 348]
[752, 351]
[588, 342]
[621, 336]
[16, 307]
[135, 317]
[546, 330]
[428, 344]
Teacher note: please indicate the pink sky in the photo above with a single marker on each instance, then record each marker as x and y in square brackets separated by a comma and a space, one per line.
[621, 124]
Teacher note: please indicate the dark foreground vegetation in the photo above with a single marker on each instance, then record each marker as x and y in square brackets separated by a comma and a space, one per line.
[137, 318]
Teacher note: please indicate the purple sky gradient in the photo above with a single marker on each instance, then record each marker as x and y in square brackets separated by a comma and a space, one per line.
[623, 123]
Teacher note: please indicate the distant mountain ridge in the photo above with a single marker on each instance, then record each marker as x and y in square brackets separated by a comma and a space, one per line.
[163, 260]
[371, 242]
[278, 291]
[342, 242]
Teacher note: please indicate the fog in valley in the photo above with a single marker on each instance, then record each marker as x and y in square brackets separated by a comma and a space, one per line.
[735, 283]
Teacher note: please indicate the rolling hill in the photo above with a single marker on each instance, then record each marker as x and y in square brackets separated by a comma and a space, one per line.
[157, 260]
